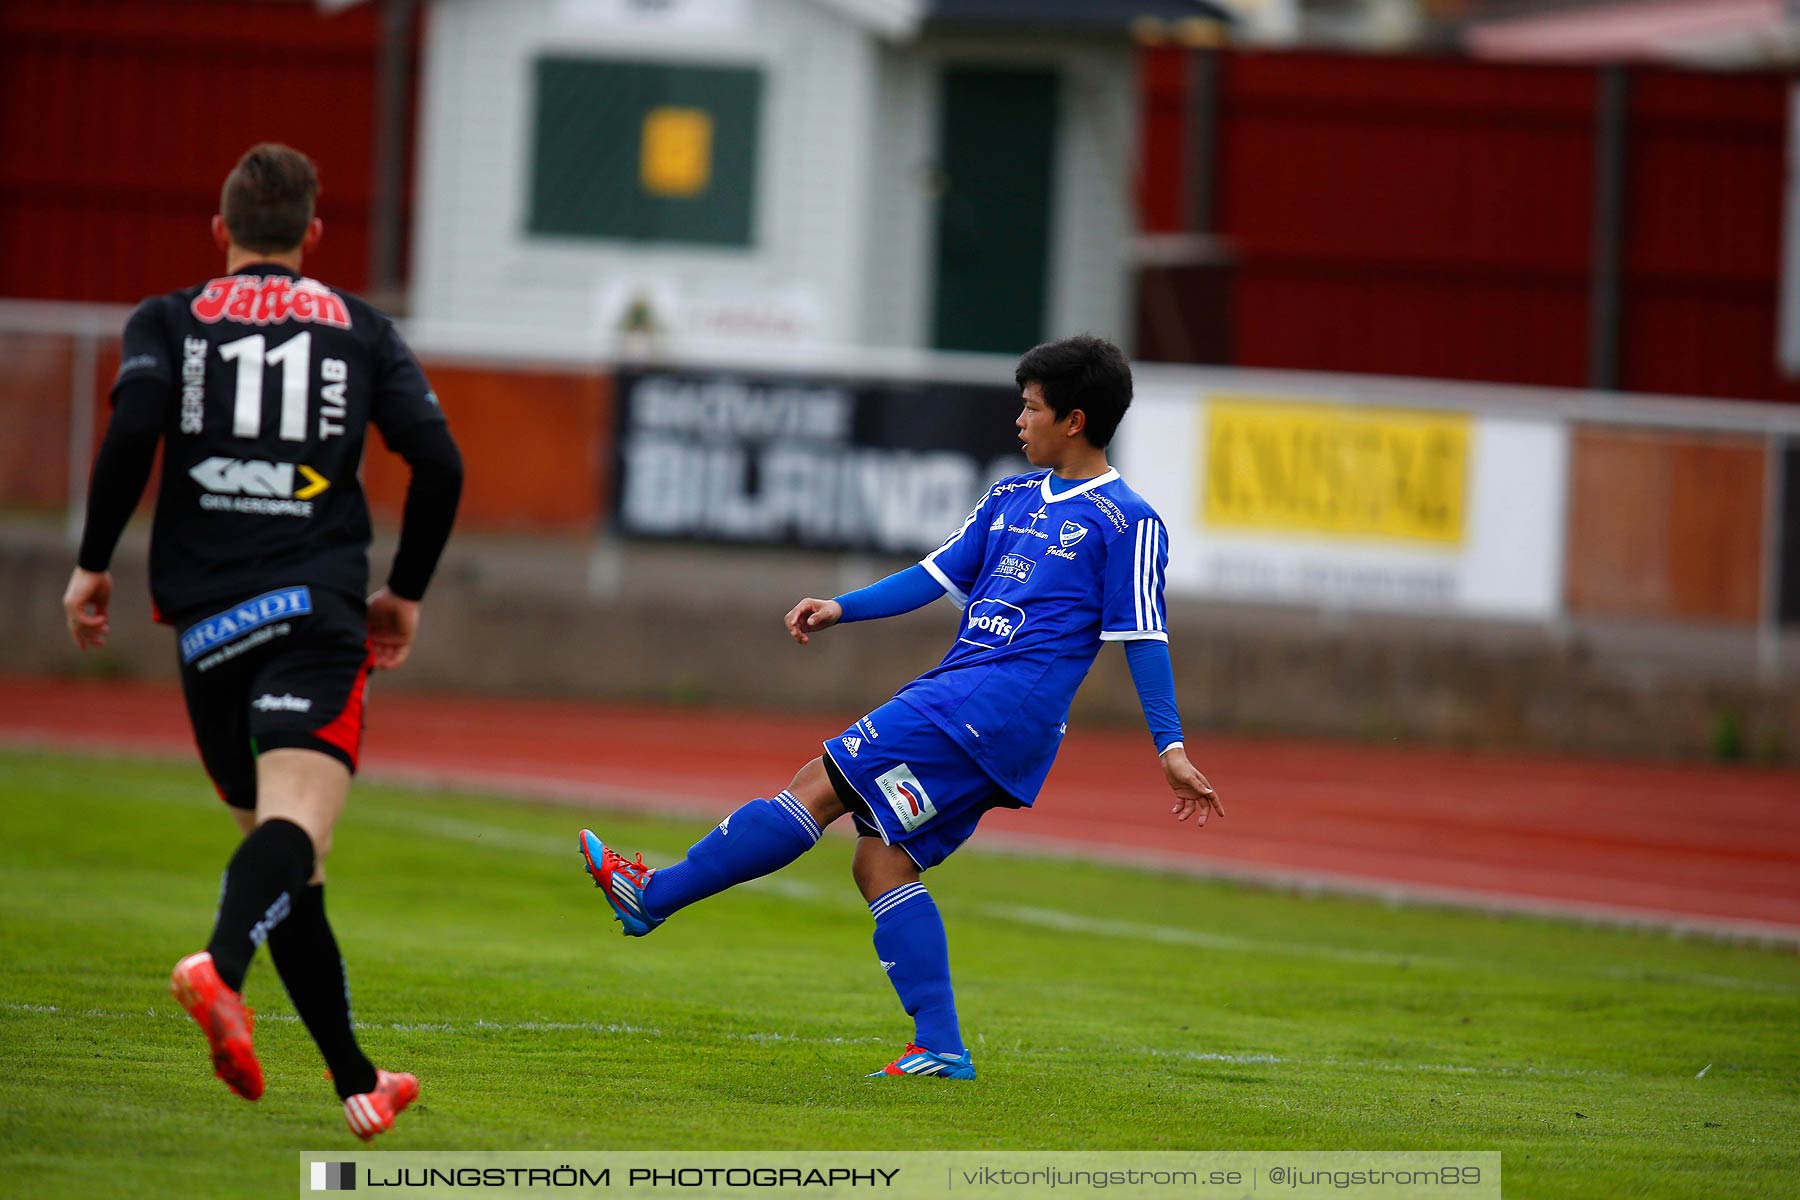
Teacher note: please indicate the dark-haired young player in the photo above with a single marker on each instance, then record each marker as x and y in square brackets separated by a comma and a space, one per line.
[261, 385]
[1048, 566]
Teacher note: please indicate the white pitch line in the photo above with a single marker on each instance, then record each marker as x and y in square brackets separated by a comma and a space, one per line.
[593, 792]
[479, 833]
[501, 837]
[1048, 918]
[1500, 1069]
[479, 1025]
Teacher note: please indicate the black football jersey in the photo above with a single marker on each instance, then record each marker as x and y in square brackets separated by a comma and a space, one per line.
[273, 380]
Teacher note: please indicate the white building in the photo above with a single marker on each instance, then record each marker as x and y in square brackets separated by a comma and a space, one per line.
[776, 175]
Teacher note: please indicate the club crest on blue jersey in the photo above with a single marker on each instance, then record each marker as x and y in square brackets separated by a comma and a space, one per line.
[1072, 532]
[992, 624]
[240, 619]
[906, 796]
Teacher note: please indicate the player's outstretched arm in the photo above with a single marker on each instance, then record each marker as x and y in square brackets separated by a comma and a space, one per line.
[1192, 793]
[901, 592]
[810, 616]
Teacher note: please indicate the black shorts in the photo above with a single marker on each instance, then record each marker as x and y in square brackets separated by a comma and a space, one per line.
[283, 670]
[847, 795]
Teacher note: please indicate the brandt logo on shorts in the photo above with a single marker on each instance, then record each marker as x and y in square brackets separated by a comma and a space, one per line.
[852, 743]
[992, 624]
[235, 622]
[906, 796]
[283, 703]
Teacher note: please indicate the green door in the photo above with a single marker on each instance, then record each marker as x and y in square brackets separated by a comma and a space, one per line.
[997, 150]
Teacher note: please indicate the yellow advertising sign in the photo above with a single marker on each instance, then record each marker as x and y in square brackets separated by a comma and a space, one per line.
[677, 151]
[1338, 470]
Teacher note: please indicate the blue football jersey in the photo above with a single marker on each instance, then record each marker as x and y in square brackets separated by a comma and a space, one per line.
[1042, 578]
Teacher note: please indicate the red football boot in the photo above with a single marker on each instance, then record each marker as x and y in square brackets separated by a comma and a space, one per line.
[370, 1113]
[221, 1014]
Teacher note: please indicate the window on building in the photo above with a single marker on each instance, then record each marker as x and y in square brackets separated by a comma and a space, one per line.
[645, 151]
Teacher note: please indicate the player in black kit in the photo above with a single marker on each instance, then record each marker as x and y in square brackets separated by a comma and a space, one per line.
[261, 385]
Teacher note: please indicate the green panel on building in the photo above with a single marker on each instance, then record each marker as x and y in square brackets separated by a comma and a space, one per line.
[997, 147]
[645, 151]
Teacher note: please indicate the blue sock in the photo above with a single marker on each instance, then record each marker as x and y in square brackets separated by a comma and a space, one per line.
[909, 938]
[760, 837]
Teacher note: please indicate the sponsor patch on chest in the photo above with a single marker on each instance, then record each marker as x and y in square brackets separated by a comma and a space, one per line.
[992, 624]
[1014, 567]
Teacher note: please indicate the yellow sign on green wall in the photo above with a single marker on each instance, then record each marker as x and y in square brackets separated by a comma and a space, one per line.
[645, 151]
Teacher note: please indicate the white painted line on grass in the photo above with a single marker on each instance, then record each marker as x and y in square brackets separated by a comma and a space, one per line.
[479, 833]
[611, 1028]
[479, 1025]
[598, 793]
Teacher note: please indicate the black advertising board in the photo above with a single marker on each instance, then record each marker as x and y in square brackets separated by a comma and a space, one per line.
[889, 467]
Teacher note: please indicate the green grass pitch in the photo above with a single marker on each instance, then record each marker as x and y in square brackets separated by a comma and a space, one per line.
[1107, 1009]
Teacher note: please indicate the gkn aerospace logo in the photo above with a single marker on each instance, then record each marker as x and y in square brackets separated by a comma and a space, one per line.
[253, 486]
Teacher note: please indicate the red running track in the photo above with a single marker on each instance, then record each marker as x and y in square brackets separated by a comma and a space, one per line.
[1713, 849]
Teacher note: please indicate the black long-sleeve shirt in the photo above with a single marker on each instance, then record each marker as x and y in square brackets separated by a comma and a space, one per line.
[261, 387]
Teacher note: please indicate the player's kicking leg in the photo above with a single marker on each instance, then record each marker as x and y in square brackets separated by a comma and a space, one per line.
[758, 839]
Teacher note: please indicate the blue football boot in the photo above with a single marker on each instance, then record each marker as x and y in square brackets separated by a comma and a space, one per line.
[919, 1061]
[623, 882]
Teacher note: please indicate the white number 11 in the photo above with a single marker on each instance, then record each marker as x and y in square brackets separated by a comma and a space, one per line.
[293, 357]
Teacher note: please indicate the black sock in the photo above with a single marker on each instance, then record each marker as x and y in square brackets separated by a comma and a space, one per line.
[268, 871]
[307, 959]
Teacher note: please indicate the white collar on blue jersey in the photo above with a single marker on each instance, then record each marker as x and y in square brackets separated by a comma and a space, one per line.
[1050, 497]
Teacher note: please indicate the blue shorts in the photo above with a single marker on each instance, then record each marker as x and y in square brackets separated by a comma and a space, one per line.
[920, 791]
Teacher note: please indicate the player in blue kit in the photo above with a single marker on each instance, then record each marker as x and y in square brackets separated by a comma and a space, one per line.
[1049, 565]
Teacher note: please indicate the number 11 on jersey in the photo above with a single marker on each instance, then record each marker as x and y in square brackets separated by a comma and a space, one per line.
[294, 357]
